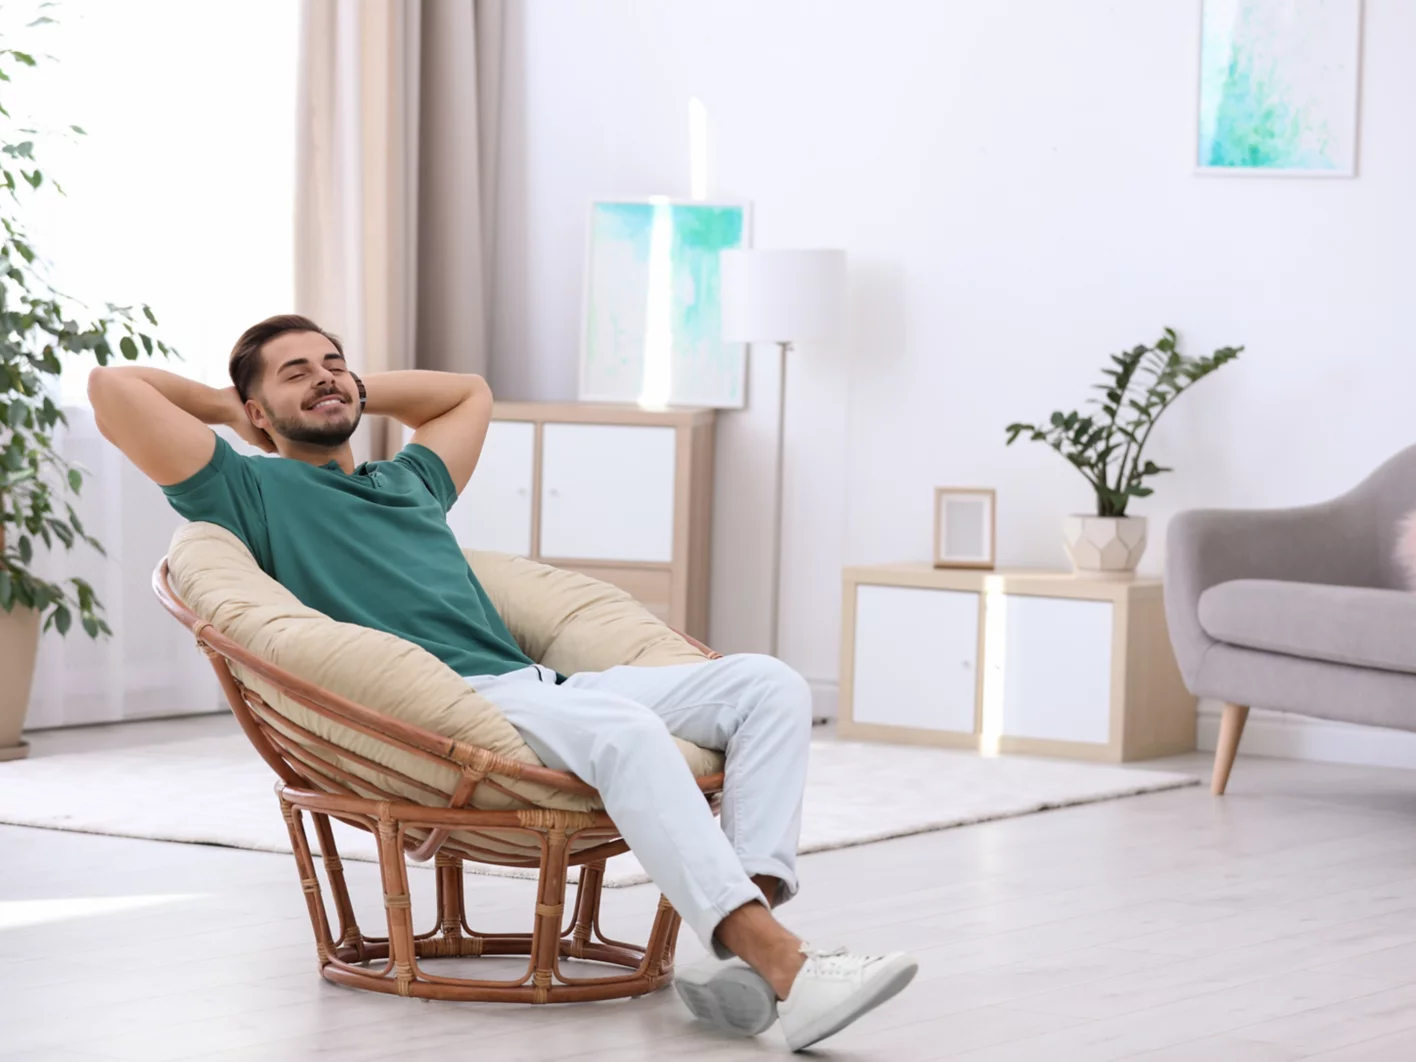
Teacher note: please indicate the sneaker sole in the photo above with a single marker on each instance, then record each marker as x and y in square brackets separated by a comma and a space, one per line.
[735, 999]
[888, 983]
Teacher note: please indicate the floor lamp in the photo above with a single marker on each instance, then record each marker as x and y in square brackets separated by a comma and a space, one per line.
[782, 297]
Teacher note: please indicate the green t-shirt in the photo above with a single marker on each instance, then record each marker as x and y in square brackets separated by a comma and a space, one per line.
[371, 548]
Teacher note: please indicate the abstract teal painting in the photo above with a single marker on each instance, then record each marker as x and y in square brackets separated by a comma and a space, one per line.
[1279, 86]
[653, 311]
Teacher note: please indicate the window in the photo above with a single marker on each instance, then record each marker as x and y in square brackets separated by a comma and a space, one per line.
[182, 193]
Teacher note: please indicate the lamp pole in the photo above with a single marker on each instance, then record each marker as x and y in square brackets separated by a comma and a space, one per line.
[781, 500]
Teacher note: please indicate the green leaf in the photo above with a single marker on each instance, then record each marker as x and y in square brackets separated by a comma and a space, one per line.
[90, 626]
[147, 343]
[7, 590]
[23, 57]
[62, 619]
[26, 550]
[79, 129]
[76, 480]
[147, 312]
[129, 348]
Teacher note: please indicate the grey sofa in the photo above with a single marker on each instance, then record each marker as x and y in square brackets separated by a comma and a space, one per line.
[1302, 610]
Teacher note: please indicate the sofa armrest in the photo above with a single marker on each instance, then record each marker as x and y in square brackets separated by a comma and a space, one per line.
[1206, 547]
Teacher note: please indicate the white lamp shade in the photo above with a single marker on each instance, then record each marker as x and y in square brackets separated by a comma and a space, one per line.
[783, 296]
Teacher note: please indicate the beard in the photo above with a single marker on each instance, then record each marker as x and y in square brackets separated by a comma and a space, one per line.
[300, 431]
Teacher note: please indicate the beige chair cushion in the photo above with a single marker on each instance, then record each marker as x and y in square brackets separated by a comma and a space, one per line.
[567, 621]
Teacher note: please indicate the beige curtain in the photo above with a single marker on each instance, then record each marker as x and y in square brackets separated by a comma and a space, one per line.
[395, 191]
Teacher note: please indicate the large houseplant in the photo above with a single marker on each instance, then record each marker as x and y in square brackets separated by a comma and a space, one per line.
[1108, 447]
[38, 324]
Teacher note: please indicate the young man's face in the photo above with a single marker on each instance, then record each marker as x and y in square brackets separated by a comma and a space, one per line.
[305, 393]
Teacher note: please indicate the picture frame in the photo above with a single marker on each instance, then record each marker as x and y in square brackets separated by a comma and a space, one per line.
[965, 528]
[651, 311]
[1278, 89]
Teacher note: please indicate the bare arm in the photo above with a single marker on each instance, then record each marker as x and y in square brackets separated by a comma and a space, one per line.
[159, 419]
[448, 412]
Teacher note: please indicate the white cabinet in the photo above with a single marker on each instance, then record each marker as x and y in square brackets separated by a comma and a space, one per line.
[607, 492]
[1056, 668]
[1030, 662]
[916, 658]
[495, 510]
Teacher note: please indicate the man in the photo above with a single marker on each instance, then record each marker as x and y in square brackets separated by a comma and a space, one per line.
[371, 545]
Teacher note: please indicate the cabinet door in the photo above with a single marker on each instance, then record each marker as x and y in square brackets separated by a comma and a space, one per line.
[1056, 669]
[607, 492]
[916, 658]
[494, 511]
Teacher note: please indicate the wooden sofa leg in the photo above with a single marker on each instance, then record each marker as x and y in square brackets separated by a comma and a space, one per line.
[1231, 729]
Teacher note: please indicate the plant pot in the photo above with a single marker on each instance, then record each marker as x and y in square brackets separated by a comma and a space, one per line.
[19, 643]
[1104, 547]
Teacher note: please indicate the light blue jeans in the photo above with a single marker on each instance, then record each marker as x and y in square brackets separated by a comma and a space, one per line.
[612, 729]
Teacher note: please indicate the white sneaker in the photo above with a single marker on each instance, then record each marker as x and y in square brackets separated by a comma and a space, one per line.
[727, 993]
[834, 988]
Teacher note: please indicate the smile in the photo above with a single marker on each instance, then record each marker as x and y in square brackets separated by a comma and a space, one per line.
[332, 400]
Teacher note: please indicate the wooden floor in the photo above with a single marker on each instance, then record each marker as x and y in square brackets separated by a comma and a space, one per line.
[1277, 923]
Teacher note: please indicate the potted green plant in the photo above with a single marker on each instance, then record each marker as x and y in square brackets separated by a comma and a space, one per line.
[1108, 448]
[37, 325]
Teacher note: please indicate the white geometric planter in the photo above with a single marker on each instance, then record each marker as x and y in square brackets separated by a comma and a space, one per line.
[1104, 547]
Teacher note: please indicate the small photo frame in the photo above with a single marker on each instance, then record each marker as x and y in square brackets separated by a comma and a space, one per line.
[964, 535]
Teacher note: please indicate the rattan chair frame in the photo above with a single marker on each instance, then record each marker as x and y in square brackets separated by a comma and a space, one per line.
[309, 785]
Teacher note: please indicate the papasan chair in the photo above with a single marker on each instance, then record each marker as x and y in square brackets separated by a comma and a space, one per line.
[374, 731]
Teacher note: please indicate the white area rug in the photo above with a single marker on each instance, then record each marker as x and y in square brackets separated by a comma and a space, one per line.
[217, 791]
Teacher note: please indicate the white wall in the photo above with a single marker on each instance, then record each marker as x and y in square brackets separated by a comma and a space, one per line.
[1013, 180]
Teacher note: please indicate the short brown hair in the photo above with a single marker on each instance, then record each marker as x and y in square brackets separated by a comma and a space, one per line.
[245, 365]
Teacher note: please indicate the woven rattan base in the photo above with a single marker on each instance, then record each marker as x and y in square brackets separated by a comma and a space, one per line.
[391, 963]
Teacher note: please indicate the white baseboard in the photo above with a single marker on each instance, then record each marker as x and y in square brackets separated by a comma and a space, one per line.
[1299, 737]
[825, 696]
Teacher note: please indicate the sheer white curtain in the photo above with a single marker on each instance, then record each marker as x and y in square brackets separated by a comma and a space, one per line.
[150, 667]
[181, 196]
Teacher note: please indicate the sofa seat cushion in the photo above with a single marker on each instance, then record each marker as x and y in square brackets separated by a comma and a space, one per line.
[1358, 626]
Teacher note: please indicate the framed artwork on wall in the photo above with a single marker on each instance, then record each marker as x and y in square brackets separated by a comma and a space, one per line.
[964, 532]
[1279, 87]
[652, 316]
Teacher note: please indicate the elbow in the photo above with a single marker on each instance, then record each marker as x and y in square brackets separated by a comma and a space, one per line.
[99, 381]
[478, 396]
[101, 391]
